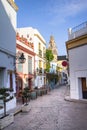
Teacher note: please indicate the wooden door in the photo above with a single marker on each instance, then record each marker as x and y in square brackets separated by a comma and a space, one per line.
[19, 87]
[84, 88]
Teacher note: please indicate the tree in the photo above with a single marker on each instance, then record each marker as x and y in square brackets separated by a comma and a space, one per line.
[49, 58]
[5, 96]
[49, 55]
[26, 94]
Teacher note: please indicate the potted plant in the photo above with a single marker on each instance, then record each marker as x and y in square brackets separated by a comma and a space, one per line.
[33, 94]
[40, 93]
[5, 96]
[25, 98]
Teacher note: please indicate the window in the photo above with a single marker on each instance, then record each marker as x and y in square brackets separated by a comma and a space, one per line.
[27, 35]
[40, 53]
[44, 52]
[39, 46]
[44, 65]
[40, 64]
[20, 68]
[30, 65]
[11, 81]
[1, 77]
[86, 82]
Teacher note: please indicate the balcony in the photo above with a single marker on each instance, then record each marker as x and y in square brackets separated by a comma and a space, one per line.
[40, 53]
[77, 31]
[40, 71]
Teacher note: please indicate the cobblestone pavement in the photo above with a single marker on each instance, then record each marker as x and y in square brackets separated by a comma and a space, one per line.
[52, 112]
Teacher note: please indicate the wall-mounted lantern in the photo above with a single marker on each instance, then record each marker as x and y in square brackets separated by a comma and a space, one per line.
[20, 58]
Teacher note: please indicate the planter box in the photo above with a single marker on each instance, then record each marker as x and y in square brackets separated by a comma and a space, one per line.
[25, 108]
[44, 91]
[39, 93]
[5, 121]
[33, 95]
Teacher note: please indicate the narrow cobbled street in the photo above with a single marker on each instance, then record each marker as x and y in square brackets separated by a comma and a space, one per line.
[52, 112]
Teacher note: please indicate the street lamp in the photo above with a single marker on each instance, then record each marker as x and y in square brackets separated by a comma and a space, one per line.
[22, 59]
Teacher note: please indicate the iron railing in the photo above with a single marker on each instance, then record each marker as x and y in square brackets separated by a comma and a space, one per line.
[79, 27]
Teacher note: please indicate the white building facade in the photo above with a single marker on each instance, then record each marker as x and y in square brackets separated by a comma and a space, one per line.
[77, 54]
[8, 10]
[25, 71]
[35, 37]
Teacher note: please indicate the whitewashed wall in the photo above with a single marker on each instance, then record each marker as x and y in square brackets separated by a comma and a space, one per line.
[78, 69]
[36, 40]
[9, 105]
[7, 45]
[7, 27]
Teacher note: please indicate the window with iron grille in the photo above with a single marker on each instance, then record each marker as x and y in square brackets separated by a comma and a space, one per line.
[30, 65]
[40, 53]
[40, 64]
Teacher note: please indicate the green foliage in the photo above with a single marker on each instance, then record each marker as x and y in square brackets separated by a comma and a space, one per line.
[49, 55]
[4, 93]
[50, 77]
[26, 94]
[49, 58]
[47, 66]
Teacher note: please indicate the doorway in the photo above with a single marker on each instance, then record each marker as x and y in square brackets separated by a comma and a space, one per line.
[30, 83]
[2, 76]
[19, 87]
[84, 87]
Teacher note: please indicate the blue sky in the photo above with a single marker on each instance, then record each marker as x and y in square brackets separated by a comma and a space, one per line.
[52, 17]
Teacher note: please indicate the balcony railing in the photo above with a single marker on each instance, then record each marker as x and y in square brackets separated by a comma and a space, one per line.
[40, 70]
[40, 53]
[77, 31]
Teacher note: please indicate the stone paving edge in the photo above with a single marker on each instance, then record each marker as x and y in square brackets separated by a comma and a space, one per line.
[67, 98]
